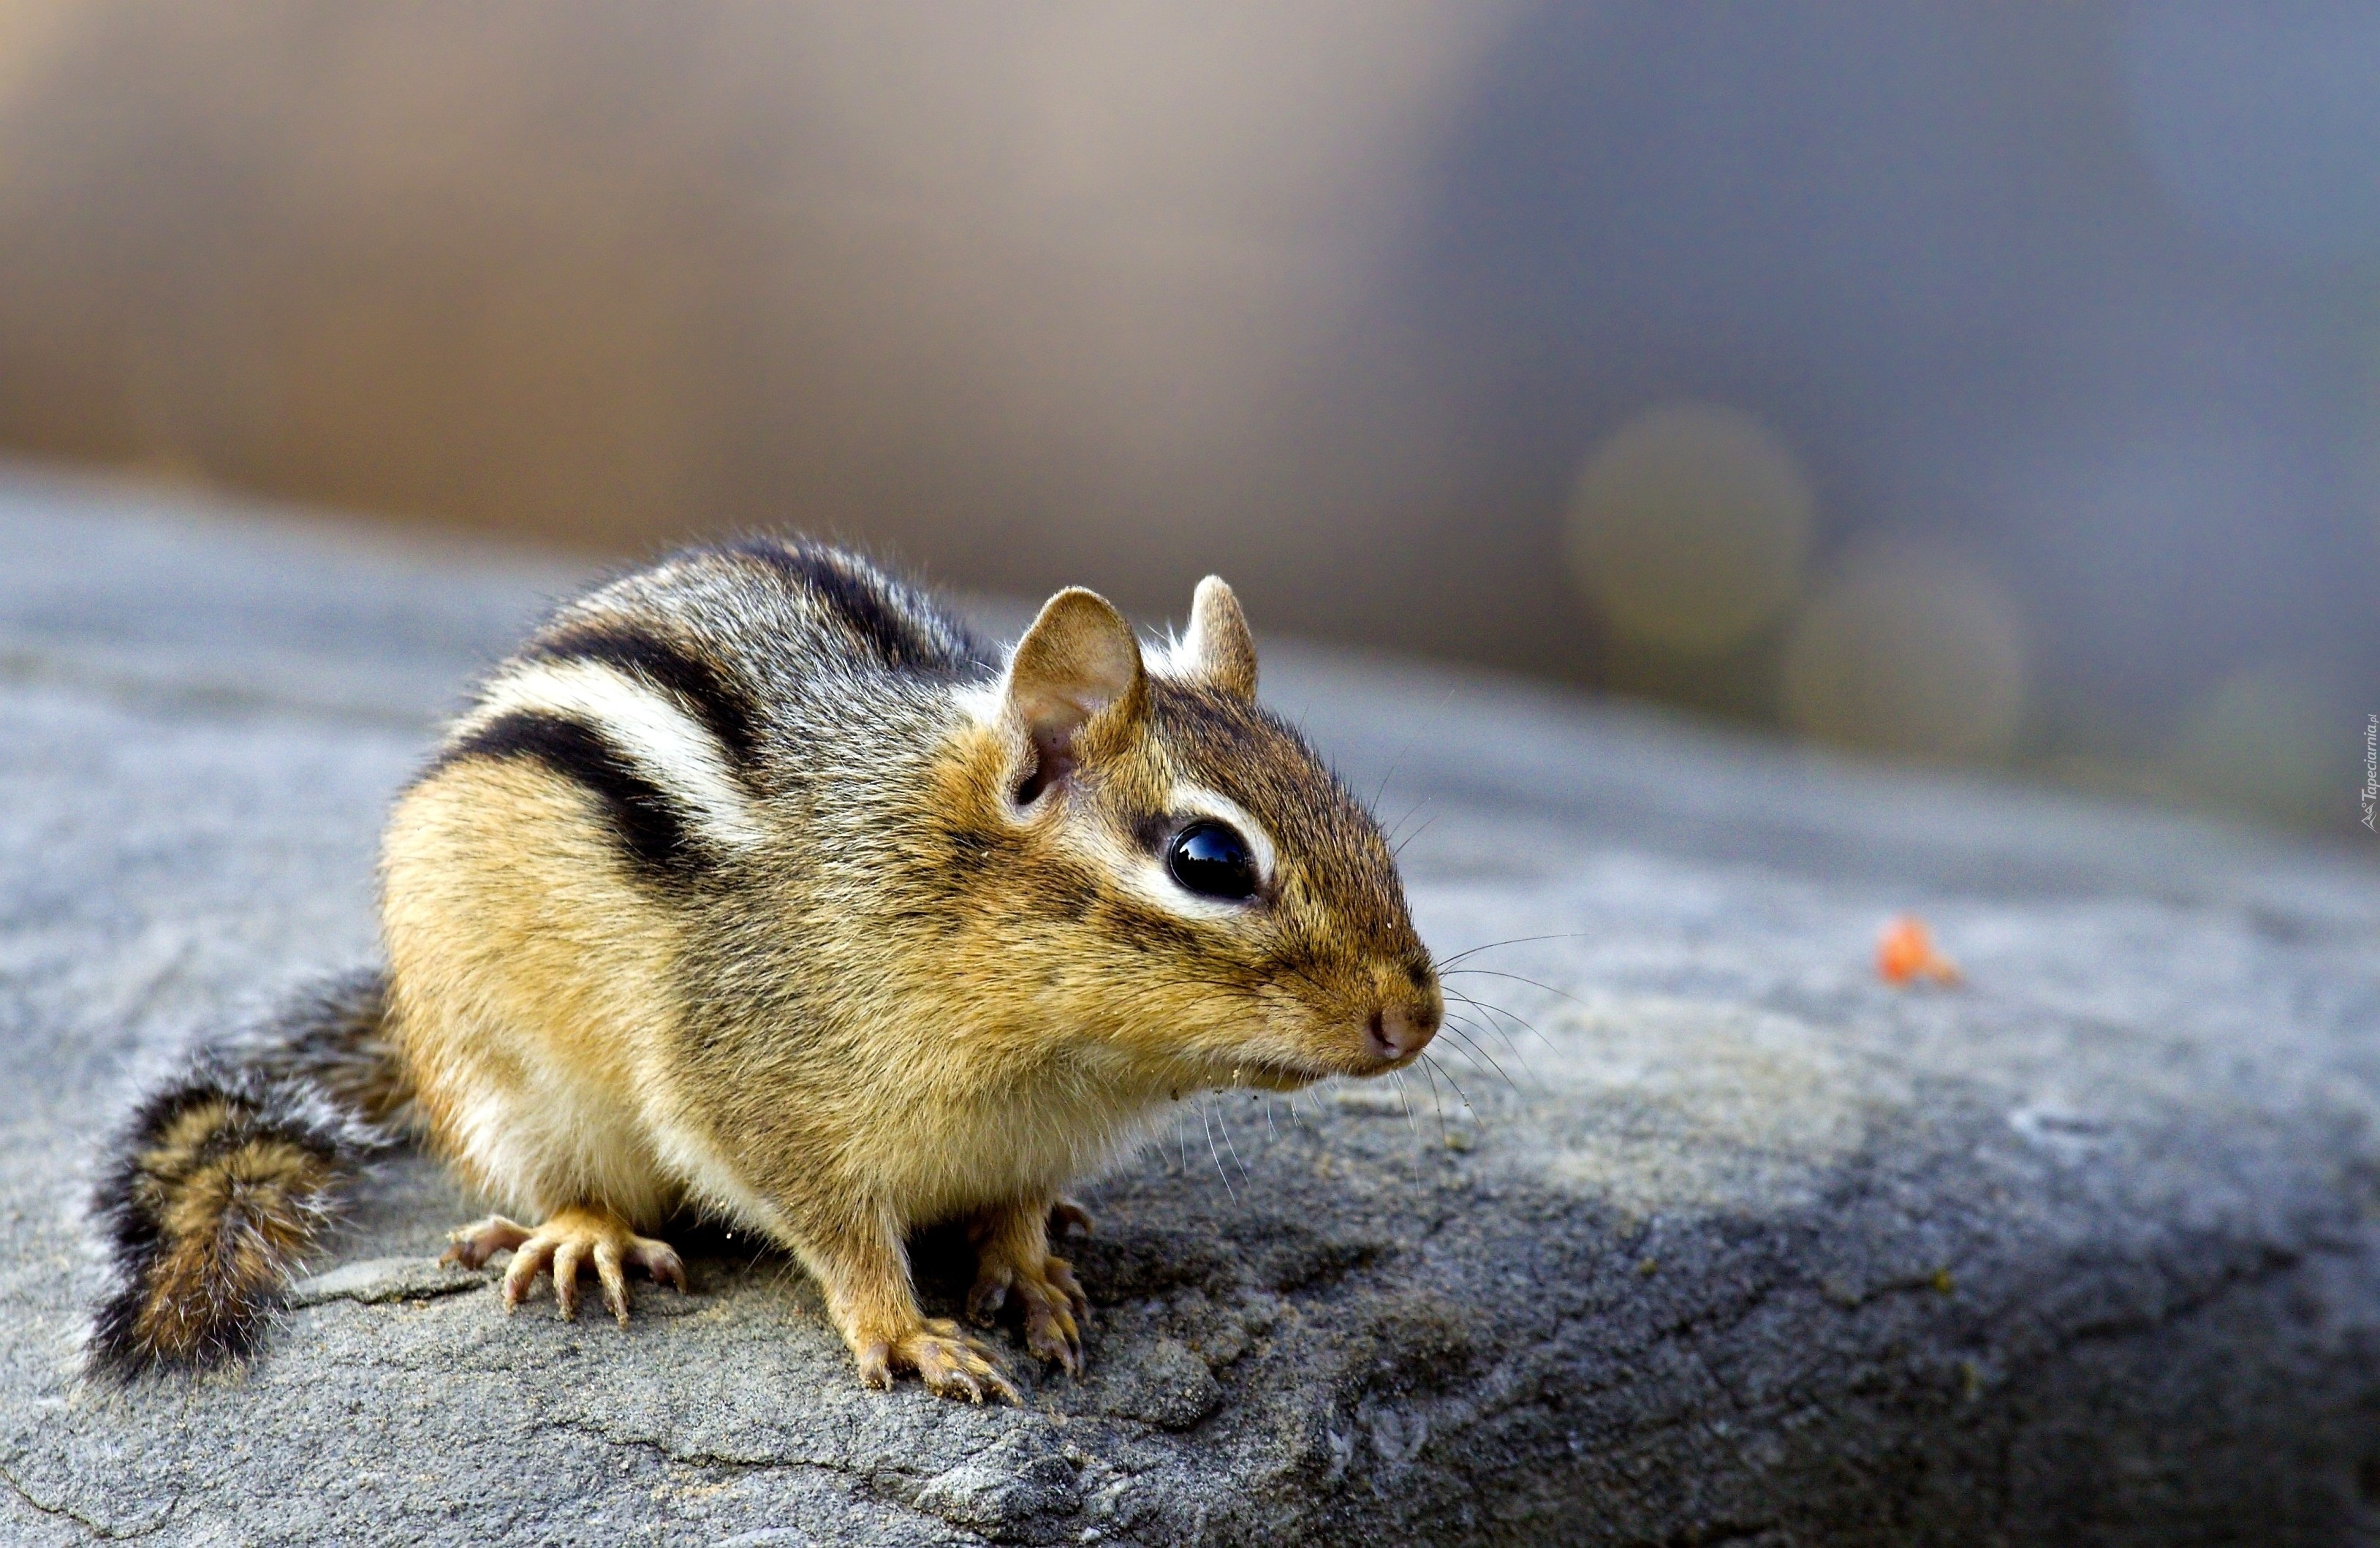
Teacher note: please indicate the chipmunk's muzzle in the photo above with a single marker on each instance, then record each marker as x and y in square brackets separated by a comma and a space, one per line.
[1364, 1019]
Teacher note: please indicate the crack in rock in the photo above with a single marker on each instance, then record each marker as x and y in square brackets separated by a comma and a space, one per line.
[377, 1281]
[98, 1528]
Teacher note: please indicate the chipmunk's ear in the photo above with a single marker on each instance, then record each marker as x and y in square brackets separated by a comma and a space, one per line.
[1219, 651]
[1079, 660]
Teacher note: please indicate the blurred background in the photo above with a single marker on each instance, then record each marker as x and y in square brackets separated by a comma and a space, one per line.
[1984, 383]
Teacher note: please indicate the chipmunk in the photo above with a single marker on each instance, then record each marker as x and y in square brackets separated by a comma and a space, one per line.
[755, 884]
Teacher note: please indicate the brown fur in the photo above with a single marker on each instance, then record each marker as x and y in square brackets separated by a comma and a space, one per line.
[221, 1183]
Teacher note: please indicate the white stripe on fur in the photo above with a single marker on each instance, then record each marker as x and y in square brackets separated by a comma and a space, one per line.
[674, 749]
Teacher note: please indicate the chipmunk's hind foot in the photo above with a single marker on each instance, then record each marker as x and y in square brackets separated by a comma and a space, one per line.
[946, 1359]
[1054, 1308]
[1014, 1264]
[565, 1244]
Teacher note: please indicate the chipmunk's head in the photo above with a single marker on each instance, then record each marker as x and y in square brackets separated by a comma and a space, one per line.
[1195, 899]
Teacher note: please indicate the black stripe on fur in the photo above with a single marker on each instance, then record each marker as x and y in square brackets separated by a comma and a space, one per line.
[700, 687]
[649, 826]
[216, 1190]
[901, 625]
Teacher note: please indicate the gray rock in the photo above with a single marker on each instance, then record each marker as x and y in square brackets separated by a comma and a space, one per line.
[1696, 1233]
[1160, 1383]
[378, 1280]
[1013, 1490]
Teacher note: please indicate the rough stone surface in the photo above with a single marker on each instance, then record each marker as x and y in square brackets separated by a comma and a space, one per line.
[378, 1280]
[1714, 1239]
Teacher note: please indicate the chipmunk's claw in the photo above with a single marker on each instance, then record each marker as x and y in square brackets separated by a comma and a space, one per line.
[563, 1245]
[472, 1246]
[1055, 1309]
[989, 1294]
[950, 1362]
[1066, 1215]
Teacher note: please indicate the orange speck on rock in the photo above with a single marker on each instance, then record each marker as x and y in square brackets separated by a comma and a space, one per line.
[1905, 953]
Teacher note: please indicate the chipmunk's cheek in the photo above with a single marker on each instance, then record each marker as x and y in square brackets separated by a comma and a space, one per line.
[1293, 1045]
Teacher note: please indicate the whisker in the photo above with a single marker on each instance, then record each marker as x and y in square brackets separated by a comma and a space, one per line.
[1491, 1013]
[1519, 978]
[1406, 1100]
[1225, 1125]
[1408, 815]
[1505, 1012]
[1457, 1091]
[1442, 963]
[1399, 848]
[1481, 1021]
[1472, 1046]
[1218, 1155]
[1437, 1102]
[1476, 1002]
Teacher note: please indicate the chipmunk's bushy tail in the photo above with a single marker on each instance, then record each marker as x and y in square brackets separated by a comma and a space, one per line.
[226, 1175]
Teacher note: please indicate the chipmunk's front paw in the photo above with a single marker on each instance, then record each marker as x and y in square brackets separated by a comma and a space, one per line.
[1055, 1309]
[565, 1244]
[951, 1363]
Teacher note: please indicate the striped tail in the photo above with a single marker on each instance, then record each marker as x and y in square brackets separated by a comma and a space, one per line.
[228, 1174]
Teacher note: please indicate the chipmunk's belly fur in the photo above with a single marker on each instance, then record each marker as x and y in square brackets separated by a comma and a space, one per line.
[535, 995]
[524, 978]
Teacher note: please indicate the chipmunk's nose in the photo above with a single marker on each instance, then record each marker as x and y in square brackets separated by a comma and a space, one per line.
[1402, 1029]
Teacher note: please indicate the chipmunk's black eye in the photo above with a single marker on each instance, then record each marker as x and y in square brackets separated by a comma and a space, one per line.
[1211, 859]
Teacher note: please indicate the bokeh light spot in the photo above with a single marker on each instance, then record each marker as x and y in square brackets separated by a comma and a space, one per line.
[1909, 648]
[1689, 526]
[2276, 740]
